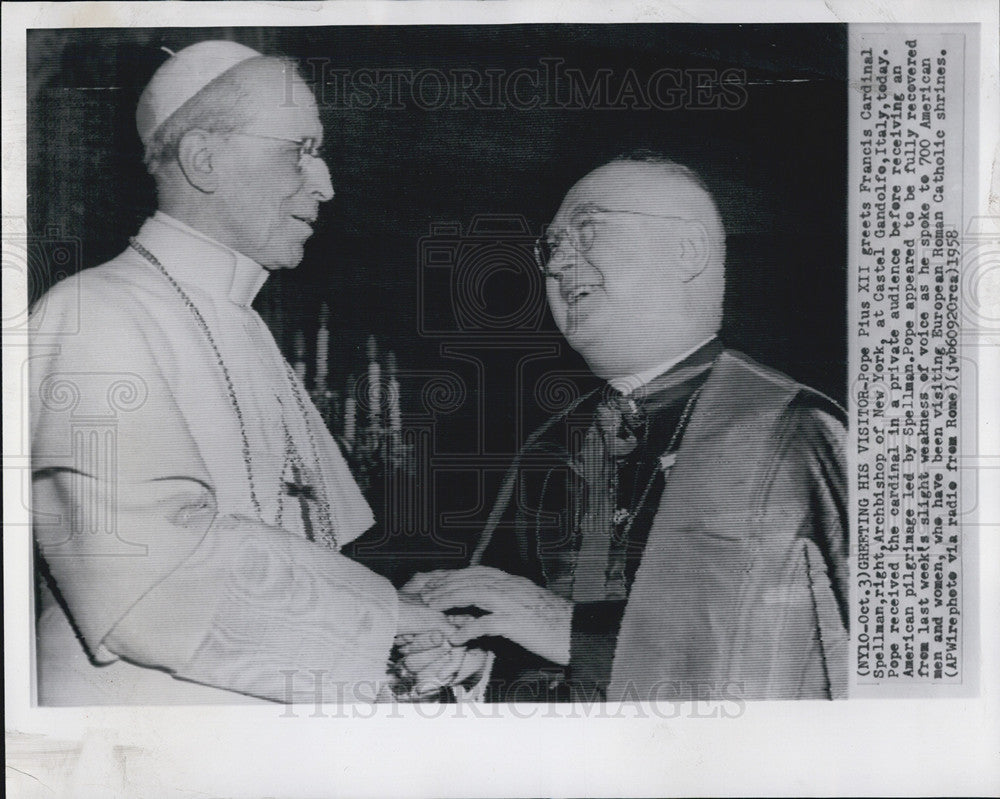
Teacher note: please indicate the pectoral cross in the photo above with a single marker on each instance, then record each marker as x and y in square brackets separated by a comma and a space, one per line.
[300, 490]
[304, 492]
[297, 486]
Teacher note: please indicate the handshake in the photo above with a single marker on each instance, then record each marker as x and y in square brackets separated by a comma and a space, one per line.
[442, 612]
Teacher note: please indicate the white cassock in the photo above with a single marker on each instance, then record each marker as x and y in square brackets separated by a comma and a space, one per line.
[193, 547]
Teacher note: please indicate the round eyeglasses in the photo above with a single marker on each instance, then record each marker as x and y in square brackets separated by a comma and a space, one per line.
[308, 146]
[580, 234]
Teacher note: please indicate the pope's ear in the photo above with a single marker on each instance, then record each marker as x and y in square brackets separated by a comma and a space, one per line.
[196, 154]
[694, 249]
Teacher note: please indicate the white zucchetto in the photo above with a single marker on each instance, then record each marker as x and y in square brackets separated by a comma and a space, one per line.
[181, 77]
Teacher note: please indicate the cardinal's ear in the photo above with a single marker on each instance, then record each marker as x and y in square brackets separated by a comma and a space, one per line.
[196, 155]
[694, 250]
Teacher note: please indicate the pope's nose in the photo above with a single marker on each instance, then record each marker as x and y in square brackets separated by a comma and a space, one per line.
[318, 179]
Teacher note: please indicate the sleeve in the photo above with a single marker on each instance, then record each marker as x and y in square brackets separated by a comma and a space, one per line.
[125, 519]
[810, 483]
[815, 469]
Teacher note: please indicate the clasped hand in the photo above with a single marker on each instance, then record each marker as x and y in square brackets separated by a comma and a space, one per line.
[512, 607]
[427, 660]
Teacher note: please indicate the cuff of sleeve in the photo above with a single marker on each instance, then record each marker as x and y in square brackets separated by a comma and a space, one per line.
[271, 615]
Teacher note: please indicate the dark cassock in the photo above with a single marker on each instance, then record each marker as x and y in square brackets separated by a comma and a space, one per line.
[696, 518]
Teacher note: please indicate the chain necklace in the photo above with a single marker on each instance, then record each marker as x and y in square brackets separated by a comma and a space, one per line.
[326, 518]
[135, 245]
[331, 539]
[667, 460]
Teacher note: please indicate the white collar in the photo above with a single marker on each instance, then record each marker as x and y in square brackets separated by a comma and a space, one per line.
[626, 385]
[191, 257]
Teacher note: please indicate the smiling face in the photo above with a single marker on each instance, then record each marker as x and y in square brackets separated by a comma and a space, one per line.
[267, 197]
[625, 284]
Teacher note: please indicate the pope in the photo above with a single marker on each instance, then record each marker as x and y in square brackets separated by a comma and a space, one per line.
[188, 501]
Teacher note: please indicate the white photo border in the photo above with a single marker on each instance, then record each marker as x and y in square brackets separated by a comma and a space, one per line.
[899, 746]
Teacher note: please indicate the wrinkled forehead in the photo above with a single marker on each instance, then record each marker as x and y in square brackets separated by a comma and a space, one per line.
[279, 100]
[642, 187]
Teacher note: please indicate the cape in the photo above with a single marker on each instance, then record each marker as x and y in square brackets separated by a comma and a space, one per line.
[734, 594]
[741, 591]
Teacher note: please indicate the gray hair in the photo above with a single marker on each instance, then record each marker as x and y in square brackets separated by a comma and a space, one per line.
[220, 107]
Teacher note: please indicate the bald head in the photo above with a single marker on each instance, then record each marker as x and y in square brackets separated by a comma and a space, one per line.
[659, 186]
[642, 274]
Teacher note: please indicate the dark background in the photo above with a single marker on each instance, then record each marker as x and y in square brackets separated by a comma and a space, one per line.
[777, 166]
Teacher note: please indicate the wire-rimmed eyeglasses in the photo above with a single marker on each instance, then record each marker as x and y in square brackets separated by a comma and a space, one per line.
[308, 146]
[580, 234]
